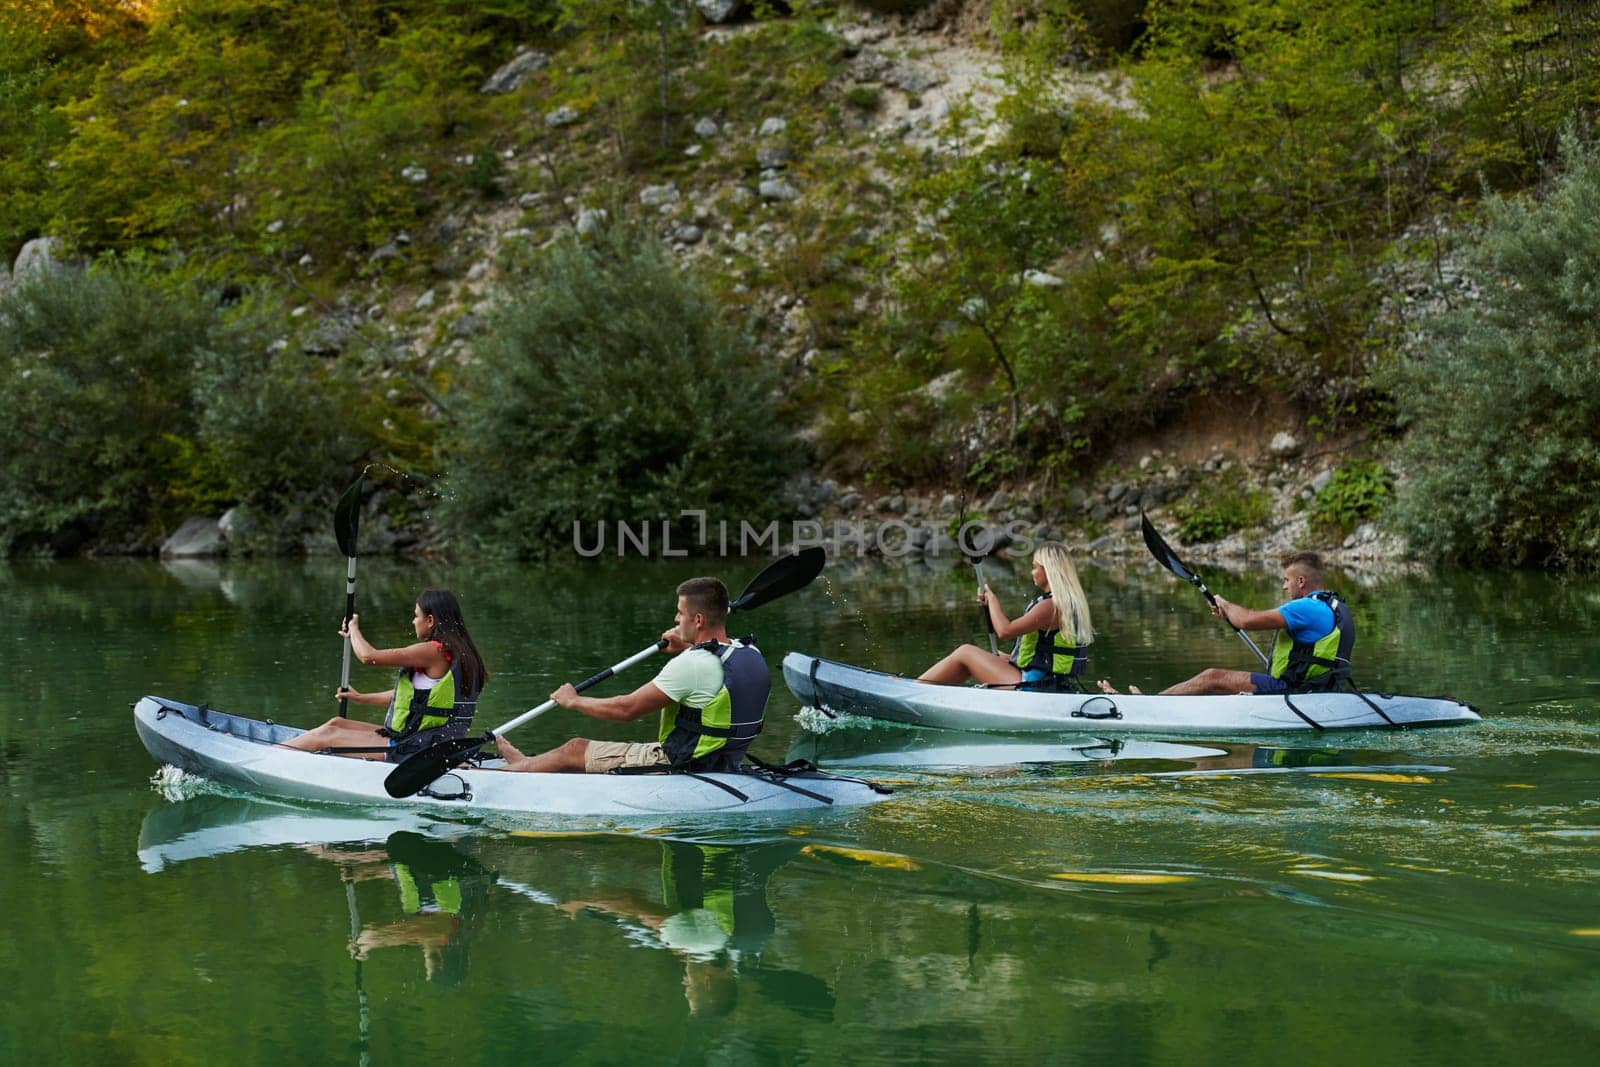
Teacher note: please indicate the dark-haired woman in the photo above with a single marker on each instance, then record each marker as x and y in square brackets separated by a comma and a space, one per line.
[434, 696]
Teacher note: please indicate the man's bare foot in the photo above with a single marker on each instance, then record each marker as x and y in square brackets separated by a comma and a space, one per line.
[1105, 687]
[508, 751]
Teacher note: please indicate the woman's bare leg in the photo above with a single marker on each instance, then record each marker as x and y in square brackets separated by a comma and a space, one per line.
[970, 661]
[341, 733]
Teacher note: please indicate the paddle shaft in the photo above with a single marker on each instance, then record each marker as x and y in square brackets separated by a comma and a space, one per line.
[587, 683]
[1212, 600]
[983, 609]
[977, 571]
[1169, 559]
[349, 613]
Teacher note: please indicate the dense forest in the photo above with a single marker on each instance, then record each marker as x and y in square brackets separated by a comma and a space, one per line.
[601, 259]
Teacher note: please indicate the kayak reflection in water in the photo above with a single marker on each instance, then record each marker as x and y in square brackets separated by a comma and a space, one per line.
[1053, 633]
[1310, 651]
[443, 895]
[714, 915]
[435, 692]
[712, 696]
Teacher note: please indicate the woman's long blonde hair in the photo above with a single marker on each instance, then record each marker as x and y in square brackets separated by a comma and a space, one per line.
[1066, 592]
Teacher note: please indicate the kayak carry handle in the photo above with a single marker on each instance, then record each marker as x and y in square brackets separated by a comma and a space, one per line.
[1082, 713]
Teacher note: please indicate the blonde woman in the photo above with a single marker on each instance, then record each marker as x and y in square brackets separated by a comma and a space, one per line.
[1053, 634]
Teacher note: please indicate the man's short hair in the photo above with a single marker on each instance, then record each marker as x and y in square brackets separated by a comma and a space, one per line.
[1307, 563]
[708, 597]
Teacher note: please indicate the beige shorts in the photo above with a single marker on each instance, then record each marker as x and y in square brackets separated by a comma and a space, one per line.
[601, 757]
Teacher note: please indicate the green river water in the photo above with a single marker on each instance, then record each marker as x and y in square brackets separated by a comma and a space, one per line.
[1419, 897]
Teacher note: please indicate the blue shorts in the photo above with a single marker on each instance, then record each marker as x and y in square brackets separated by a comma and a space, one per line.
[1266, 683]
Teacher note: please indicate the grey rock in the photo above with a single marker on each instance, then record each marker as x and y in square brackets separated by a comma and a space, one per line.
[913, 80]
[719, 11]
[196, 537]
[1076, 497]
[689, 235]
[1320, 482]
[384, 252]
[657, 195]
[940, 543]
[414, 174]
[947, 504]
[706, 128]
[772, 157]
[1116, 493]
[466, 326]
[328, 337]
[1284, 444]
[1041, 279]
[521, 66]
[37, 256]
[778, 189]
[591, 219]
[849, 500]
[773, 126]
[561, 116]
[425, 301]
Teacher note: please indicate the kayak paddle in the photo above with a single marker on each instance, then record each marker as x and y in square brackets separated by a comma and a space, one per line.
[977, 571]
[1169, 559]
[416, 771]
[346, 519]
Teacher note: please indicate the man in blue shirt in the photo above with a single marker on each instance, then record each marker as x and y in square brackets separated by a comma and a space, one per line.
[1307, 620]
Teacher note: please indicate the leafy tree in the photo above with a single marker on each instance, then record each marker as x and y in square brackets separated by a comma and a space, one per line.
[983, 226]
[98, 397]
[1503, 397]
[609, 388]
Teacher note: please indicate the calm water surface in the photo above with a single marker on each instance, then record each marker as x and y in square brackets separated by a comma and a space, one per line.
[1424, 897]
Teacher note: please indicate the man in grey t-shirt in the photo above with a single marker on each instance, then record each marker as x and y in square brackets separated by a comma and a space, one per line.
[693, 677]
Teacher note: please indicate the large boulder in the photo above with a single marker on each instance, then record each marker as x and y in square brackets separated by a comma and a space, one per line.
[719, 11]
[196, 537]
[522, 66]
[38, 254]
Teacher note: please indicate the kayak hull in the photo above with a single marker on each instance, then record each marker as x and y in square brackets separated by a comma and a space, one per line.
[245, 753]
[840, 688]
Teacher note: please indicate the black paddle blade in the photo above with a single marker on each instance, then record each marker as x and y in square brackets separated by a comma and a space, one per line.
[1164, 555]
[782, 577]
[420, 768]
[347, 517]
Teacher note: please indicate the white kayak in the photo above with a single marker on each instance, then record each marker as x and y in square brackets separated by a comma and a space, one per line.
[246, 753]
[841, 689]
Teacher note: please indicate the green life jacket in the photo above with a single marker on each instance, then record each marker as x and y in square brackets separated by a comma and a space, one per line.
[700, 876]
[1042, 650]
[438, 896]
[1320, 664]
[716, 736]
[448, 704]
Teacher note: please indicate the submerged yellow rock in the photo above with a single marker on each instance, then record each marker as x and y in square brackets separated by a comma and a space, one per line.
[862, 855]
[1374, 776]
[1121, 877]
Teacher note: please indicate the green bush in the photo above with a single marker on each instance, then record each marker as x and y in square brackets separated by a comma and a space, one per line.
[1502, 399]
[96, 402]
[1223, 505]
[1359, 490]
[134, 402]
[609, 389]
